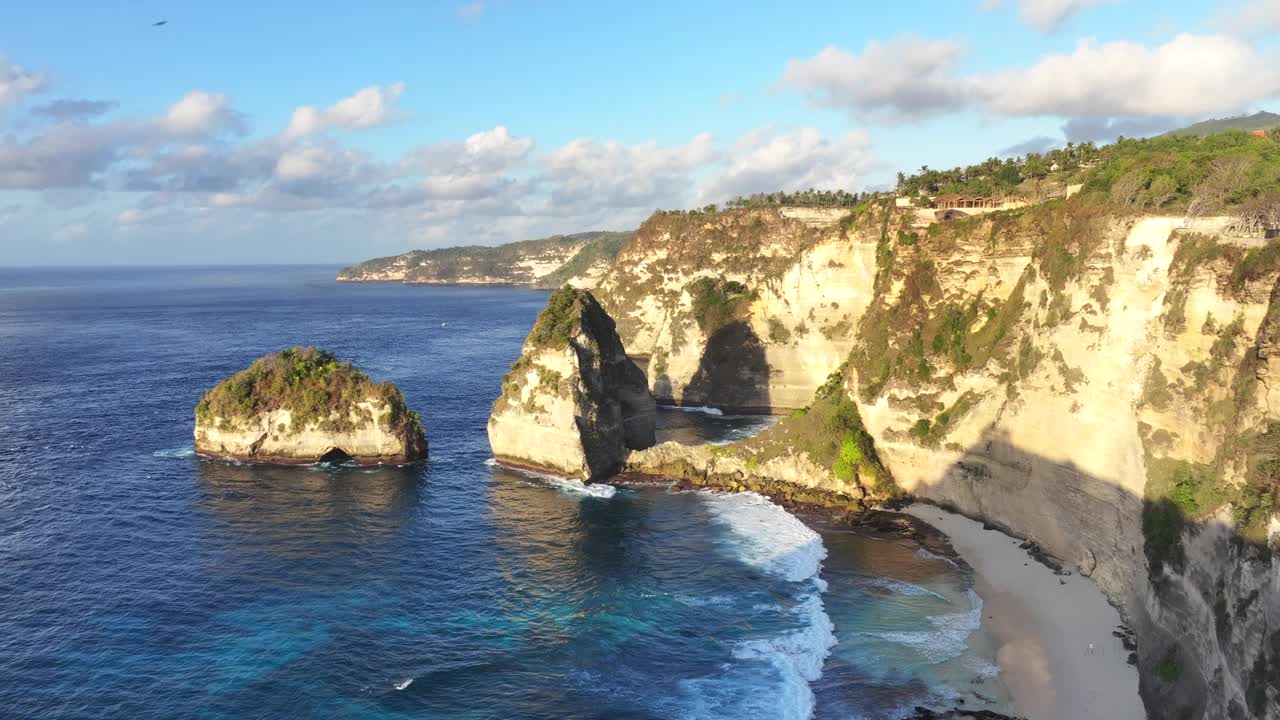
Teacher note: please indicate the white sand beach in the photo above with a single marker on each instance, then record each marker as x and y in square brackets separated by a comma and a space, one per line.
[1043, 626]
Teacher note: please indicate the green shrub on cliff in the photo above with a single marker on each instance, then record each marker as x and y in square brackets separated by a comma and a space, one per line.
[557, 321]
[717, 302]
[830, 432]
[313, 385]
[1168, 669]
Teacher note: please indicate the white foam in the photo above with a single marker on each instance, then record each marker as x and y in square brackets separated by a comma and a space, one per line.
[710, 600]
[950, 634]
[926, 555]
[767, 536]
[756, 427]
[695, 409]
[182, 452]
[569, 485]
[900, 587]
[577, 487]
[801, 653]
[404, 684]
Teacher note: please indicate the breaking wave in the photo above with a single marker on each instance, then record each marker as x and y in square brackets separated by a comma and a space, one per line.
[765, 536]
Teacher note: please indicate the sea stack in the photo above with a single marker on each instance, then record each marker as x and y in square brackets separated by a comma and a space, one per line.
[303, 405]
[574, 404]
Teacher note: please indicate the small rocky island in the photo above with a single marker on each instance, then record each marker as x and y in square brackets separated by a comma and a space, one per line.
[303, 405]
[574, 404]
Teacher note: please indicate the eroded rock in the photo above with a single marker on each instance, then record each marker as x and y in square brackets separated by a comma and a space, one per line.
[574, 404]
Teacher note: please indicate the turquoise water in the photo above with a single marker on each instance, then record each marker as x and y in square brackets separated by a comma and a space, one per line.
[139, 581]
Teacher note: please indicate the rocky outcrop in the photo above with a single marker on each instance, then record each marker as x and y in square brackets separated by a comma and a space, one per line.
[579, 260]
[303, 406]
[574, 404]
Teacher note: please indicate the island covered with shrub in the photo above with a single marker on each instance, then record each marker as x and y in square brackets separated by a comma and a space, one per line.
[304, 405]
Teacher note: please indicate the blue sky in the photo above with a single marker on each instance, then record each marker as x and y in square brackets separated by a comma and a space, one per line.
[253, 132]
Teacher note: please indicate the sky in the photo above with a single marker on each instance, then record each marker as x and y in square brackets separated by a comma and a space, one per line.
[331, 132]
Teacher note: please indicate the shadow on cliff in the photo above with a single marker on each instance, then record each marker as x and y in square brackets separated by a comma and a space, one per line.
[1133, 549]
[733, 373]
[307, 512]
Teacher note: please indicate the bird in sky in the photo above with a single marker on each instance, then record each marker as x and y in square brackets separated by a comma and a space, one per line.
[158, 24]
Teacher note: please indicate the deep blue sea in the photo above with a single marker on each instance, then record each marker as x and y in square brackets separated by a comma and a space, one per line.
[139, 581]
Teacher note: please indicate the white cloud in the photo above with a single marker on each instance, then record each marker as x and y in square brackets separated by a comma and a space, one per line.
[1047, 15]
[17, 83]
[200, 113]
[902, 79]
[764, 161]
[1252, 16]
[369, 107]
[589, 174]
[130, 216]
[69, 232]
[304, 162]
[1188, 75]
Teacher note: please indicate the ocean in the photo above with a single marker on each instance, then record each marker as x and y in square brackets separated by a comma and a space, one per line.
[140, 581]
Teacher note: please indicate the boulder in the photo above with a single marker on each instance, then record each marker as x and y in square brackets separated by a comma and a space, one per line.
[303, 405]
[574, 404]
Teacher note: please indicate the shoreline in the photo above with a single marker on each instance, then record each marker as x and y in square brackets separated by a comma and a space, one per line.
[1043, 625]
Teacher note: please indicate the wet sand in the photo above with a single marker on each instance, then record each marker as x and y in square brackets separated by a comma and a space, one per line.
[1043, 625]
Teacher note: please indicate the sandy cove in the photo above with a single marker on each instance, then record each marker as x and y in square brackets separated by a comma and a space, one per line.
[1042, 626]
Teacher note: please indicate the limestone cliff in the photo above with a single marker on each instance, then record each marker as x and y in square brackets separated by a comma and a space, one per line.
[579, 260]
[746, 309]
[574, 403]
[302, 405]
[1091, 378]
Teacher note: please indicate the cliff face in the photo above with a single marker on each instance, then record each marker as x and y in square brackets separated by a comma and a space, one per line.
[744, 309]
[1089, 381]
[1096, 381]
[303, 406]
[579, 260]
[574, 403]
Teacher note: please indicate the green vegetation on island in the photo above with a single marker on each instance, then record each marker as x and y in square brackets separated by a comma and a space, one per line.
[1257, 121]
[314, 386]
[499, 264]
[601, 248]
